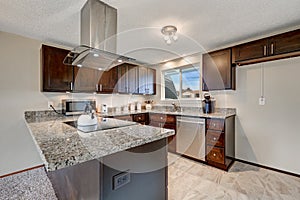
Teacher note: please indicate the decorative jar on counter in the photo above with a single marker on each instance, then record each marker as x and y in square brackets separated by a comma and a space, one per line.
[148, 105]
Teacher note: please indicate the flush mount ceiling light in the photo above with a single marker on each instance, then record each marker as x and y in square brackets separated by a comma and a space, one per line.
[169, 33]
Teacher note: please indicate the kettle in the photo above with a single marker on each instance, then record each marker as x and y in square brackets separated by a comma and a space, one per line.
[208, 104]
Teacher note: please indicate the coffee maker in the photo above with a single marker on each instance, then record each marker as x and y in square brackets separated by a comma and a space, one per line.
[208, 104]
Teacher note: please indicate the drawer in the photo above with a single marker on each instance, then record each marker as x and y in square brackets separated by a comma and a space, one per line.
[215, 124]
[215, 138]
[169, 119]
[124, 117]
[215, 154]
[139, 117]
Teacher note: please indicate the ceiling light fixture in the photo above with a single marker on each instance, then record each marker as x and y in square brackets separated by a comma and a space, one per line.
[169, 33]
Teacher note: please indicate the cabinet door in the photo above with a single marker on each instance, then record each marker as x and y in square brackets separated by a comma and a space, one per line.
[108, 80]
[132, 79]
[122, 79]
[217, 71]
[147, 78]
[142, 80]
[151, 79]
[57, 77]
[252, 50]
[285, 43]
[85, 79]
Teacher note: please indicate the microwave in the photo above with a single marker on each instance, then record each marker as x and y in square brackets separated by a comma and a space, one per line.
[76, 107]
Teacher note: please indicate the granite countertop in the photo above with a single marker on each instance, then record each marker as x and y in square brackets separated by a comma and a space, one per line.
[221, 113]
[61, 145]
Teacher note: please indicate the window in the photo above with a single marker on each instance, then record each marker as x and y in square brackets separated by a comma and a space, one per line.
[181, 83]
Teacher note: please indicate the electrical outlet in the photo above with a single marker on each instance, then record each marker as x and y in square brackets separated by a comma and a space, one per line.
[49, 105]
[120, 180]
[262, 101]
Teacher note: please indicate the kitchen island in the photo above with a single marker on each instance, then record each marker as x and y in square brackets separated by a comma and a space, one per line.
[122, 162]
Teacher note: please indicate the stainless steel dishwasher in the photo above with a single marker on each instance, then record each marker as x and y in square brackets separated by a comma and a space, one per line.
[190, 137]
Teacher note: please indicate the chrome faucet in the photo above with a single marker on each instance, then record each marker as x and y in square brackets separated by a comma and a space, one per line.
[89, 110]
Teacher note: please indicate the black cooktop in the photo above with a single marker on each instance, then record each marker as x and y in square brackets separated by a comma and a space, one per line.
[103, 124]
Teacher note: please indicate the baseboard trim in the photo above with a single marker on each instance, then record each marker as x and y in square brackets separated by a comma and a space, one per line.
[269, 168]
[24, 170]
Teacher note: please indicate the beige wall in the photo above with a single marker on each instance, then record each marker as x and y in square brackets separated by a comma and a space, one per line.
[20, 91]
[269, 134]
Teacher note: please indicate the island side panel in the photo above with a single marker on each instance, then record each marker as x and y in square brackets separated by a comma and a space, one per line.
[147, 166]
[81, 181]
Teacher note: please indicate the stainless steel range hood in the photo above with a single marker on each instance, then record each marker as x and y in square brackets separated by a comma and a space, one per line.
[98, 39]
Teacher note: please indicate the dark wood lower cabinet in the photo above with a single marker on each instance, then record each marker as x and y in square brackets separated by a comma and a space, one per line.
[220, 142]
[219, 136]
[165, 121]
[141, 118]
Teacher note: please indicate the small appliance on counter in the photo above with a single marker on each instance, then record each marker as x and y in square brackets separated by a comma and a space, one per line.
[208, 103]
[139, 106]
[76, 106]
[132, 107]
[148, 105]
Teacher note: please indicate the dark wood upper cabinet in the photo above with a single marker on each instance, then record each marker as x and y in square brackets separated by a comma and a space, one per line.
[276, 47]
[56, 76]
[107, 81]
[85, 79]
[251, 50]
[147, 79]
[285, 43]
[127, 78]
[218, 72]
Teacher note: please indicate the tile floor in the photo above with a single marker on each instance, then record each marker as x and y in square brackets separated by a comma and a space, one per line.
[190, 180]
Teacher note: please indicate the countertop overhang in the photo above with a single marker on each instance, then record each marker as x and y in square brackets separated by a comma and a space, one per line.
[61, 145]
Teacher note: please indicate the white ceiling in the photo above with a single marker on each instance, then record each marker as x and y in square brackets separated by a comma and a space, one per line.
[202, 24]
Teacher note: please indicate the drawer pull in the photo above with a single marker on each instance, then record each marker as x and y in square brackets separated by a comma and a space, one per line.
[215, 138]
[161, 117]
[214, 155]
[214, 125]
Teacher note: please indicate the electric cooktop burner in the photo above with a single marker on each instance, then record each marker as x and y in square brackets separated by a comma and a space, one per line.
[103, 124]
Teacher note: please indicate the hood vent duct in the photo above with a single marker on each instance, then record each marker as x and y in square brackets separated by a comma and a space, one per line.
[98, 39]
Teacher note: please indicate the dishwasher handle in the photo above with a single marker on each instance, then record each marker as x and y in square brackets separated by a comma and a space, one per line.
[191, 122]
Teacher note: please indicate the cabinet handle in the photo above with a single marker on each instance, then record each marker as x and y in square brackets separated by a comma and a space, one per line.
[215, 138]
[214, 155]
[71, 86]
[161, 117]
[214, 125]
[97, 87]
[272, 49]
[265, 50]
[100, 87]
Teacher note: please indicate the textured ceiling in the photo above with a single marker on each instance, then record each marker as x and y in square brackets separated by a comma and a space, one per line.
[202, 24]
